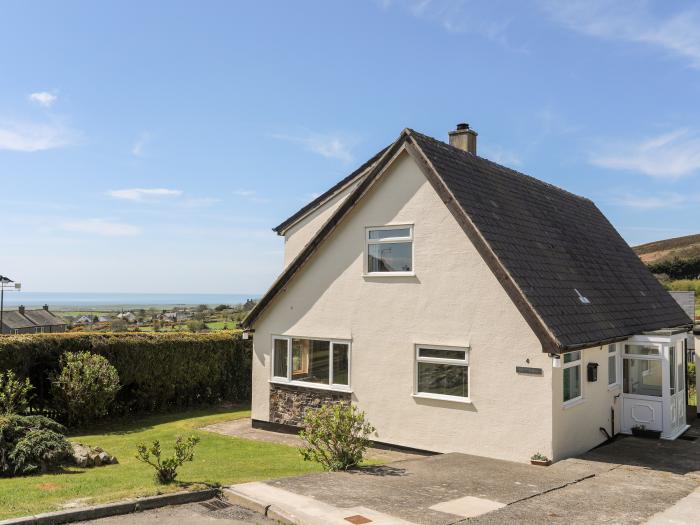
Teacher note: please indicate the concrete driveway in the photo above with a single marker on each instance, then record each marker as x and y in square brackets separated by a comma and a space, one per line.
[628, 481]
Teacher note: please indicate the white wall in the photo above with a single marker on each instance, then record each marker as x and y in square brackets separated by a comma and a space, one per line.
[303, 231]
[454, 299]
[577, 427]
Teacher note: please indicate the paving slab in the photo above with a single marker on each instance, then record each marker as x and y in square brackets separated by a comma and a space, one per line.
[686, 510]
[411, 489]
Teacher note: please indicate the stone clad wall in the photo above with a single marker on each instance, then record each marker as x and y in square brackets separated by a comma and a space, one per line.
[288, 403]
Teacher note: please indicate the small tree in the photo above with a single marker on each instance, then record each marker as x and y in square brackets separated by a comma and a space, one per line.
[166, 469]
[85, 387]
[336, 436]
[14, 394]
[119, 325]
[195, 325]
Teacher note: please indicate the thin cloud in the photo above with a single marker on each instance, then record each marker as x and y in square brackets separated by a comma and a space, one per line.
[43, 98]
[137, 150]
[458, 16]
[251, 196]
[101, 227]
[29, 137]
[140, 194]
[669, 156]
[632, 21]
[330, 146]
[654, 202]
[502, 156]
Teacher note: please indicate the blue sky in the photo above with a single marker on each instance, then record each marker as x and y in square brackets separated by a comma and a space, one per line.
[151, 146]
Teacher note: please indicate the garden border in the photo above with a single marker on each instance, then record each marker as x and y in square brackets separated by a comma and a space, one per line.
[114, 509]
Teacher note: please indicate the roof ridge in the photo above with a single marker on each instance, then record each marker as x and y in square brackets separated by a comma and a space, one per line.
[477, 158]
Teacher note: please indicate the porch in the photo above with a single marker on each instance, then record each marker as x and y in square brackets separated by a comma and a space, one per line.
[653, 397]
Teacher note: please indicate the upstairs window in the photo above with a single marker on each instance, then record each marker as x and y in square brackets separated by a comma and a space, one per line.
[390, 250]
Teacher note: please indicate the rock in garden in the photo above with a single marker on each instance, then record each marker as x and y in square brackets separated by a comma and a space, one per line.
[85, 456]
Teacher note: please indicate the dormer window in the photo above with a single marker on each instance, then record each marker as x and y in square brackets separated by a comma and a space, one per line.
[390, 250]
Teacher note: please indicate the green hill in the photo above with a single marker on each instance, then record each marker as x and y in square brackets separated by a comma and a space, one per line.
[687, 247]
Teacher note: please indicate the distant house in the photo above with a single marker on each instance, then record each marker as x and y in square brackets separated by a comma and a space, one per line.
[175, 315]
[25, 321]
[104, 319]
[84, 319]
[129, 317]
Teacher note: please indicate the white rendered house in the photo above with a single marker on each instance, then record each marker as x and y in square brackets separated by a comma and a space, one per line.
[466, 307]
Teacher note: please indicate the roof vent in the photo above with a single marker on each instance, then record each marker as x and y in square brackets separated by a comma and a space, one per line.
[463, 138]
[582, 298]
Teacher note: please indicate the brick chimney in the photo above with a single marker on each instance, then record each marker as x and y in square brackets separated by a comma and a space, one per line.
[464, 138]
[21, 309]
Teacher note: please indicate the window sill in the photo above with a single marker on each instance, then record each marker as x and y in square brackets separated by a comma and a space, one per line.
[389, 274]
[313, 386]
[616, 386]
[438, 397]
[572, 403]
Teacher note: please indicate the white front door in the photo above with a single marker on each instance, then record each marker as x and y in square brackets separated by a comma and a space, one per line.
[653, 387]
[642, 387]
[676, 383]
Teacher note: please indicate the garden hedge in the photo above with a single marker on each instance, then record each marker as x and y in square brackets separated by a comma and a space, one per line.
[157, 371]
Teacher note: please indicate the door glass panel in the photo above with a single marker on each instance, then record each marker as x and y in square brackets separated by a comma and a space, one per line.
[642, 377]
[680, 365]
[641, 350]
[672, 368]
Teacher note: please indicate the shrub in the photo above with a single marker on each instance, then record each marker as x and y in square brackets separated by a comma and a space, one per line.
[85, 387]
[196, 325]
[166, 469]
[14, 394]
[157, 371]
[31, 444]
[336, 436]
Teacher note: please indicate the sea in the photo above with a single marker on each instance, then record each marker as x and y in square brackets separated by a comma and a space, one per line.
[96, 300]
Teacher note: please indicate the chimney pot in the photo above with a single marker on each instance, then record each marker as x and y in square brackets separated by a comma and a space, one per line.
[21, 309]
[463, 138]
[46, 307]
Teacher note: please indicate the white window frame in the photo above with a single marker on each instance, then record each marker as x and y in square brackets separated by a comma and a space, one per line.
[318, 386]
[369, 242]
[618, 365]
[436, 360]
[579, 362]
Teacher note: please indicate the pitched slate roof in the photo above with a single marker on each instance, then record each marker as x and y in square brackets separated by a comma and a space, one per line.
[43, 318]
[14, 320]
[574, 279]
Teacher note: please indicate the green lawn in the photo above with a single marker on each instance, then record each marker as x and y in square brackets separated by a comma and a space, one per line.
[218, 460]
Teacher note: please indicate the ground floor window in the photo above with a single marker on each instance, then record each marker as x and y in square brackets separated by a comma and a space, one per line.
[572, 376]
[613, 360]
[442, 372]
[311, 361]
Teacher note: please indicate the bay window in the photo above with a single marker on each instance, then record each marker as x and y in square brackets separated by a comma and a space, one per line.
[311, 362]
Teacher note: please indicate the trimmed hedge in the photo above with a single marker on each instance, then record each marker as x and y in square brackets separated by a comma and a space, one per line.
[157, 371]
